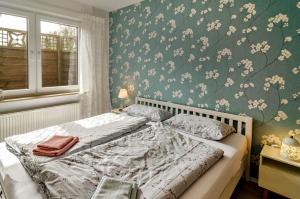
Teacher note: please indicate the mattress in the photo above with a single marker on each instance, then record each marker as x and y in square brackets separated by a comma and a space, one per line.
[18, 184]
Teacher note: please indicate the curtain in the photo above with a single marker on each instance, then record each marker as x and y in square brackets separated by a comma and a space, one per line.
[93, 59]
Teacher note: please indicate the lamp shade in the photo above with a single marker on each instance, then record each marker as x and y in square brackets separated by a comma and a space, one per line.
[123, 94]
[290, 148]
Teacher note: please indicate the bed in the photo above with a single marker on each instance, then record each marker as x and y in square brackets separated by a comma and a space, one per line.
[236, 149]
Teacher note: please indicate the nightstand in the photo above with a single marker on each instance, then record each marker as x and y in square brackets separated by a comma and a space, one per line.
[277, 174]
[117, 110]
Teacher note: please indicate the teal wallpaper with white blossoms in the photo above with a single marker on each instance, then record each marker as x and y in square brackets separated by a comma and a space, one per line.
[235, 56]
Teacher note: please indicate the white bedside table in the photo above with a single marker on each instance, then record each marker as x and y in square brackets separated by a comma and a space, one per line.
[277, 174]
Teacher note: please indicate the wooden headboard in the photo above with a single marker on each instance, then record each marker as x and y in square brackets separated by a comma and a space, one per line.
[242, 124]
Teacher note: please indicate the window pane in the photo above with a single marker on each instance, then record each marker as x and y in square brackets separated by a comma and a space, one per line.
[13, 52]
[59, 54]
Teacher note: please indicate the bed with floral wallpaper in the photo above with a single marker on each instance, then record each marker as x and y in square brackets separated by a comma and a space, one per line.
[164, 160]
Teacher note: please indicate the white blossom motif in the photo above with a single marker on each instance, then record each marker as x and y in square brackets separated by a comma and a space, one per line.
[171, 65]
[162, 39]
[190, 102]
[158, 57]
[131, 55]
[224, 53]
[284, 101]
[146, 84]
[187, 33]
[270, 140]
[239, 94]
[178, 52]
[298, 5]
[167, 87]
[203, 89]
[152, 72]
[280, 116]
[250, 10]
[152, 35]
[131, 21]
[249, 30]
[285, 54]
[177, 94]
[276, 79]
[248, 66]
[157, 94]
[247, 85]
[240, 41]
[296, 70]
[222, 103]
[136, 75]
[279, 18]
[213, 74]
[161, 78]
[136, 40]
[159, 17]
[257, 104]
[229, 82]
[186, 76]
[146, 47]
[223, 3]
[179, 9]
[114, 71]
[125, 67]
[215, 25]
[147, 10]
[260, 47]
[231, 30]
[170, 80]
[204, 42]
[288, 39]
[191, 58]
[172, 24]
[193, 12]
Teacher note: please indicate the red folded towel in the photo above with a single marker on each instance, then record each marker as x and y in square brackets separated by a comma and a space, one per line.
[53, 153]
[56, 142]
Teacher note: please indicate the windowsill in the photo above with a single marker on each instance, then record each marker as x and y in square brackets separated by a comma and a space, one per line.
[32, 97]
[35, 102]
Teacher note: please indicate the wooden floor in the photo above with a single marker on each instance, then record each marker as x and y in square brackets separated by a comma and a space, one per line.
[250, 190]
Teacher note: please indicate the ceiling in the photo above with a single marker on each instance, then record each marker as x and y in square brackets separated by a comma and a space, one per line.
[108, 5]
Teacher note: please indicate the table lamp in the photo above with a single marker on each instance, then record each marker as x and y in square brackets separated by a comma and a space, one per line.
[290, 148]
[123, 95]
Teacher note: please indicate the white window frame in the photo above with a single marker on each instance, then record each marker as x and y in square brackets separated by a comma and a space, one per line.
[40, 88]
[31, 52]
[34, 53]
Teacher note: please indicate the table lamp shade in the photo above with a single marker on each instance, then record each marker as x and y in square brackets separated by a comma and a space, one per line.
[290, 148]
[123, 94]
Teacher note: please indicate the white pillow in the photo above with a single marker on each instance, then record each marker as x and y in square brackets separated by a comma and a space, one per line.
[200, 126]
[152, 113]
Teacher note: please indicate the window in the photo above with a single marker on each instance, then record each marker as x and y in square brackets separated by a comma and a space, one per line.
[38, 54]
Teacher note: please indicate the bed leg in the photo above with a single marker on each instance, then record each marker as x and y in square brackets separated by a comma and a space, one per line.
[265, 194]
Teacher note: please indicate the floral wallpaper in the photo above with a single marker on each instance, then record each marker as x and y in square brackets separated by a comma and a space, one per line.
[235, 56]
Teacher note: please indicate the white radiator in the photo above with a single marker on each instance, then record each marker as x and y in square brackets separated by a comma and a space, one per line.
[25, 121]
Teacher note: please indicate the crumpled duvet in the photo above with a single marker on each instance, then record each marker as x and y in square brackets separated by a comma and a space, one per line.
[163, 163]
[90, 131]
